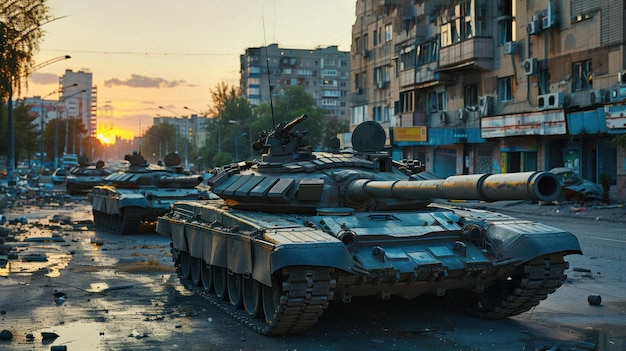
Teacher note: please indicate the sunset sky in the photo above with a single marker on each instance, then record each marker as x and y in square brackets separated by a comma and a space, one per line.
[149, 53]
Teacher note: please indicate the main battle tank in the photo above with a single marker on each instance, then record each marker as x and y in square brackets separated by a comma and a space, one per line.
[142, 193]
[300, 229]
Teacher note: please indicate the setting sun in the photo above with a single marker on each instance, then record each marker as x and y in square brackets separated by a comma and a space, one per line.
[108, 136]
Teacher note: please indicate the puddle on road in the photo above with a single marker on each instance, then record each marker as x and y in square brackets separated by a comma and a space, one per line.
[51, 263]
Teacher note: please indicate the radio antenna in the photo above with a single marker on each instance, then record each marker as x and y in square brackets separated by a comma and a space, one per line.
[269, 76]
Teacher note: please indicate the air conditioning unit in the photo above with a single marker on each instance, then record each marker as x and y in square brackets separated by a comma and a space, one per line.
[443, 117]
[485, 104]
[617, 93]
[509, 48]
[597, 96]
[530, 66]
[532, 27]
[550, 101]
[461, 114]
[621, 77]
[364, 53]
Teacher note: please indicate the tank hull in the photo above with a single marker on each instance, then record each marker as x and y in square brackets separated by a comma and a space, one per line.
[300, 263]
[124, 210]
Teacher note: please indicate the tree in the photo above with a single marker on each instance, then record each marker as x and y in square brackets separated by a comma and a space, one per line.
[20, 33]
[27, 132]
[158, 141]
[332, 128]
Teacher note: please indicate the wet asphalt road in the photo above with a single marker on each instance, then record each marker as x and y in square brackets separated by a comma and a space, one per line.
[103, 291]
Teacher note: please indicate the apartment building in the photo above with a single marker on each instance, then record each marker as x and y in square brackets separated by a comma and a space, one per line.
[481, 86]
[80, 97]
[322, 72]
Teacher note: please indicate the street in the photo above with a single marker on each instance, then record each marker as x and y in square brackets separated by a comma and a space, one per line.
[97, 290]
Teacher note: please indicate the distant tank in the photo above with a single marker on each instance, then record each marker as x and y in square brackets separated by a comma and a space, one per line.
[142, 193]
[299, 229]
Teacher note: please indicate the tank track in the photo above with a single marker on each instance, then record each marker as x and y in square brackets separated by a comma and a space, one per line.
[306, 292]
[541, 277]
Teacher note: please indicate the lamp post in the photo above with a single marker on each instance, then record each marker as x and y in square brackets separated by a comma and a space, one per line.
[56, 129]
[10, 124]
[237, 145]
[67, 119]
[42, 122]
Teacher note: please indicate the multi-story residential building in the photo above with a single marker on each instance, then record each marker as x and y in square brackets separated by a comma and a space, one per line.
[80, 98]
[323, 72]
[474, 86]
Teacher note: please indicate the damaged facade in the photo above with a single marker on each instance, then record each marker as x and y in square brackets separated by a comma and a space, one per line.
[483, 86]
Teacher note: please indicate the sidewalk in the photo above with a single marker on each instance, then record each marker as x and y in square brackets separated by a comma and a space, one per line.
[614, 212]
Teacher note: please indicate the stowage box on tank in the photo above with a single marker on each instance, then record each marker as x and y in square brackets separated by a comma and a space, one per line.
[299, 229]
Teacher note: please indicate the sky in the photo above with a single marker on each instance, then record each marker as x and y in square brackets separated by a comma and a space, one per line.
[149, 53]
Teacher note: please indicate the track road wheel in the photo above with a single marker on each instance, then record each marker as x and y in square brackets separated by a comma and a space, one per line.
[251, 296]
[522, 290]
[207, 277]
[219, 281]
[185, 264]
[271, 296]
[196, 271]
[233, 281]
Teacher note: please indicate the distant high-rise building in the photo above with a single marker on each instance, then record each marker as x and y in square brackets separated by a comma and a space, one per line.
[322, 72]
[79, 97]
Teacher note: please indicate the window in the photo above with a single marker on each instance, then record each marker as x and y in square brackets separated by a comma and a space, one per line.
[437, 101]
[428, 52]
[406, 102]
[329, 73]
[470, 96]
[388, 33]
[382, 75]
[505, 89]
[506, 25]
[375, 35]
[378, 113]
[582, 76]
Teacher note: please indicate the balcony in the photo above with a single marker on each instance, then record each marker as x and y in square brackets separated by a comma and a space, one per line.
[476, 53]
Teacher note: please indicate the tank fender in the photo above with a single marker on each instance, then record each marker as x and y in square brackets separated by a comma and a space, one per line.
[132, 200]
[266, 262]
[177, 233]
[527, 240]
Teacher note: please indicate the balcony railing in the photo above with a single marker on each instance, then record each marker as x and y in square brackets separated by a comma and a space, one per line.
[476, 52]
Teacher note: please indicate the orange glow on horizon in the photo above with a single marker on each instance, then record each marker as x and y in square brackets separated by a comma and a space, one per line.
[108, 136]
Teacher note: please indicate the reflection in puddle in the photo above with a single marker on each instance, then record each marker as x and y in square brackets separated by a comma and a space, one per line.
[53, 264]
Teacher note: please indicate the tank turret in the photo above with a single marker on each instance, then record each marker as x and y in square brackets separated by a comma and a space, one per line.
[293, 179]
[297, 229]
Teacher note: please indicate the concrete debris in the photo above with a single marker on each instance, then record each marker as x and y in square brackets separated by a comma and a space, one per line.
[59, 298]
[49, 335]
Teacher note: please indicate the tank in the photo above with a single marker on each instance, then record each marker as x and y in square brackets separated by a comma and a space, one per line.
[141, 193]
[297, 231]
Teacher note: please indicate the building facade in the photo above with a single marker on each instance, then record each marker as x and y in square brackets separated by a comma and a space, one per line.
[189, 130]
[80, 97]
[481, 86]
[322, 72]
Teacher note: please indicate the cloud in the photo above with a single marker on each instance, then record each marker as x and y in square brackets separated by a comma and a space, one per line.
[44, 78]
[137, 81]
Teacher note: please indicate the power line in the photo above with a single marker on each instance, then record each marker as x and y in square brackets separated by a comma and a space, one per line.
[137, 53]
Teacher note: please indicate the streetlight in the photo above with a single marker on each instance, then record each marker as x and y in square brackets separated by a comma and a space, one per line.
[56, 129]
[10, 125]
[67, 119]
[237, 145]
[43, 114]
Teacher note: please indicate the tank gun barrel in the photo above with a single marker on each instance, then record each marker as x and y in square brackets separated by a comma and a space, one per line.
[534, 186]
[289, 126]
[182, 181]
